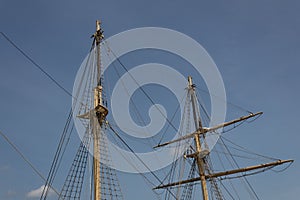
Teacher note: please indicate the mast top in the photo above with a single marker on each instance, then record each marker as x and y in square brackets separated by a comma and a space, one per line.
[98, 23]
[190, 80]
[190, 83]
[98, 35]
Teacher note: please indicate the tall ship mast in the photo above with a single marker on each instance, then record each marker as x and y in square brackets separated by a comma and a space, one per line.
[93, 152]
[99, 113]
[200, 155]
[195, 167]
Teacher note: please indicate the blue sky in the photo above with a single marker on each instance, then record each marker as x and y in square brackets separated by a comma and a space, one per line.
[255, 45]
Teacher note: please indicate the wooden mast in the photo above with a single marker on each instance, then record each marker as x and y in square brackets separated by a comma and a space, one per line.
[198, 125]
[99, 113]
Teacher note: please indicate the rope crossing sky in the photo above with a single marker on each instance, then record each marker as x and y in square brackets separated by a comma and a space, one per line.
[39, 67]
[25, 159]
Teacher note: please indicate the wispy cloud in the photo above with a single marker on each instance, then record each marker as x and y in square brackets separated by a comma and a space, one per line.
[4, 167]
[38, 192]
[10, 194]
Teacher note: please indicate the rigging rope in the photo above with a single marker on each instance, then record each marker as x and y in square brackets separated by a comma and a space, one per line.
[179, 164]
[25, 159]
[244, 178]
[73, 183]
[231, 184]
[227, 191]
[39, 67]
[228, 102]
[132, 151]
[136, 110]
[188, 188]
[147, 180]
[58, 156]
[139, 86]
[243, 149]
